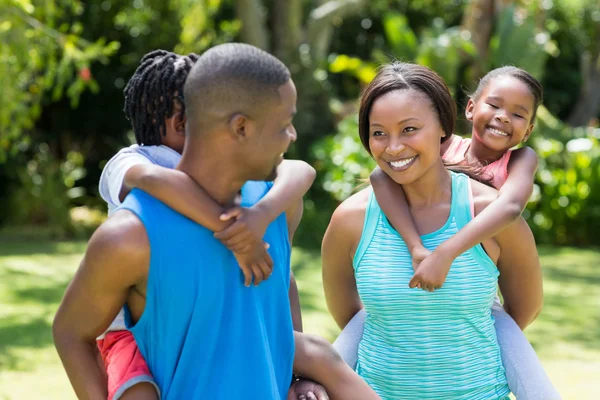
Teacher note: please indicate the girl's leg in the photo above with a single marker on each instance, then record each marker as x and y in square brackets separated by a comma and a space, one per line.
[347, 342]
[524, 372]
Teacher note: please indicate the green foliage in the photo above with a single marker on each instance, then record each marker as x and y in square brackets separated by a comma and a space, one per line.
[565, 206]
[39, 53]
[519, 42]
[47, 191]
[342, 161]
[441, 48]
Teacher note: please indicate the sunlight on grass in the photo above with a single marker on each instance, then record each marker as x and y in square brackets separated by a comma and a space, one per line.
[34, 275]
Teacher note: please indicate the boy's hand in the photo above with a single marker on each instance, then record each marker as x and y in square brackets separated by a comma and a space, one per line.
[432, 271]
[259, 264]
[248, 229]
[244, 239]
[305, 389]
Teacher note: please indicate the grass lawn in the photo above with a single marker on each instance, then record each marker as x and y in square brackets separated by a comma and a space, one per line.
[34, 274]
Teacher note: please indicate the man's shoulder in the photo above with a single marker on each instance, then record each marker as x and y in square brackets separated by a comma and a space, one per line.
[121, 237]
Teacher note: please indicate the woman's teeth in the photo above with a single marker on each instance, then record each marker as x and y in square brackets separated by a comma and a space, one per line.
[497, 132]
[401, 163]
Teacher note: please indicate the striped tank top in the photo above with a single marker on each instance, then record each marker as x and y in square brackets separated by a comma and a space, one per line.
[421, 345]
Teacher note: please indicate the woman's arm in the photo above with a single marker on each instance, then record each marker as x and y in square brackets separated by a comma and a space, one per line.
[520, 273]
[507, 208]
[337, 251]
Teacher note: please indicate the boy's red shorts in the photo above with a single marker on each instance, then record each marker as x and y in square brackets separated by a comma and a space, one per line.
[125, 366]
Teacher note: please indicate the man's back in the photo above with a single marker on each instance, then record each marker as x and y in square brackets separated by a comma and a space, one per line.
[202, 332]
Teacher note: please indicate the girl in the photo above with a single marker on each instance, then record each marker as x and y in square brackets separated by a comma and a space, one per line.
[418, 344]
[502, 110]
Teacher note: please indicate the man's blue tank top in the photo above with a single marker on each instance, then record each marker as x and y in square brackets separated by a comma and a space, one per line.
[203, 333]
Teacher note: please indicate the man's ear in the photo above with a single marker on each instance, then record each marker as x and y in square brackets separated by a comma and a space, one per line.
[469, 109]
[240, 126]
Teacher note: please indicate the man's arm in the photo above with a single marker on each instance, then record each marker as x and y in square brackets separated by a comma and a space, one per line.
[116, 260]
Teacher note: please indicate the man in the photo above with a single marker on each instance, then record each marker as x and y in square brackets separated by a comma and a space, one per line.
[199, 328]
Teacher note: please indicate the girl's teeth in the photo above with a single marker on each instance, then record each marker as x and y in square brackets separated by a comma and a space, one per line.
[402, 163]
[496, 131]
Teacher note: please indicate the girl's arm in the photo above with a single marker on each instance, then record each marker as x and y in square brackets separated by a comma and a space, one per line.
[339, 284]
[507, 208]
[392, 201]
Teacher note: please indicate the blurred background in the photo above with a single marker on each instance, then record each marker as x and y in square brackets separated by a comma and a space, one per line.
[64, 65]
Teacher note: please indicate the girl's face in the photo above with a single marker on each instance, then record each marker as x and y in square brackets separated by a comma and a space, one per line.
[501, 115]
[404, 135]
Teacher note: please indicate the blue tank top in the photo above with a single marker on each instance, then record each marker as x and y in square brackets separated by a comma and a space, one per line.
[203, 333]
[421, 345]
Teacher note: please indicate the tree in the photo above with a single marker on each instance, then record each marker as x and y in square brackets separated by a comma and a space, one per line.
[40, 53]
[587, 106]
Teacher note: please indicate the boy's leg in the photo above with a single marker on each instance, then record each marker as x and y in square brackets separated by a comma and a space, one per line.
[347, 342]
[524, 372]
[129, 377]
[316, 359]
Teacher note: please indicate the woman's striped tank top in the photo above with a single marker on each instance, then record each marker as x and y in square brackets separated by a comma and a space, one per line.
[421, 345]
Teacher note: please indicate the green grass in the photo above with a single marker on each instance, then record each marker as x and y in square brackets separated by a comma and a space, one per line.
[33, 277]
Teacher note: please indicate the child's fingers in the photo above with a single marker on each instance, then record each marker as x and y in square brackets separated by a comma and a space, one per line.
[240, 241]
[266, 270]
[414, 281]
[269, 261]
[247, 275]
[231, 231]
[258, 274]
[234, 212]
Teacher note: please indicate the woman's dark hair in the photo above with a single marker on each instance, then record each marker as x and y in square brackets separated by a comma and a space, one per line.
[534, 86]
[407, 76]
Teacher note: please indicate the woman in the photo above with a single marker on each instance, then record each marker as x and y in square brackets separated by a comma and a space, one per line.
[417, 344]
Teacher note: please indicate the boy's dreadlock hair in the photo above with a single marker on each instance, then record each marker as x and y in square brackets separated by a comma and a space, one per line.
[152, 92]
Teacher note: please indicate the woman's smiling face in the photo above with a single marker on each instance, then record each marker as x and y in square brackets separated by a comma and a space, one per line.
[404, 134]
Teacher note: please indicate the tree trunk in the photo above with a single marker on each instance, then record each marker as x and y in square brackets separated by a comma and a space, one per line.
[254, 28]
[319, 24]
[478, 19]
[287, 29]
[588, 104]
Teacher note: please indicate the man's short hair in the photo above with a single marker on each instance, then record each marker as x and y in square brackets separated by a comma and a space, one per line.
[232, 78]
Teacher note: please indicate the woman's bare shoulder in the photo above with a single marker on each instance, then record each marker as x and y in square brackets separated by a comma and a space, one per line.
[483, 195]
[350, 214]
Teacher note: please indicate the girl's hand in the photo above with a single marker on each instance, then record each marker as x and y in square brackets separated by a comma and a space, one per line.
[432, 271]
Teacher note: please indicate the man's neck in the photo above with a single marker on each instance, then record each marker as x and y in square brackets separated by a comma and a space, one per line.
[214, 175]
